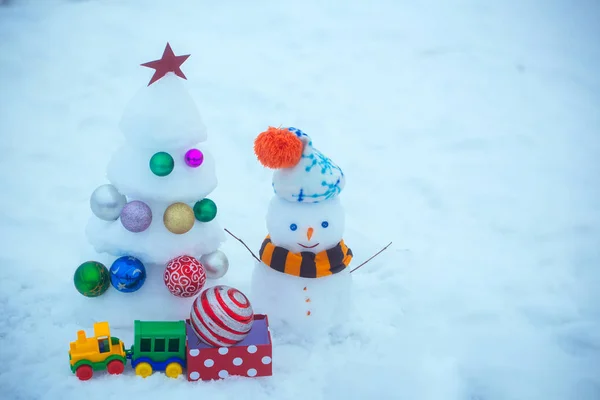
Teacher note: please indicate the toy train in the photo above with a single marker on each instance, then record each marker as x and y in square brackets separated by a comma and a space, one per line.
[172, 347]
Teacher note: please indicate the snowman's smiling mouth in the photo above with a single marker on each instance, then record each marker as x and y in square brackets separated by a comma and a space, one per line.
[309, 247]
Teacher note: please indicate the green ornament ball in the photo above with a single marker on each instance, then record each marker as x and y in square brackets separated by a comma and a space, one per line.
[91, 279]
[162, 164]
[205, 210]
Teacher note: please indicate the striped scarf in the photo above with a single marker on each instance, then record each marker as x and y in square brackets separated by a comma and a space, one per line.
[305, 264]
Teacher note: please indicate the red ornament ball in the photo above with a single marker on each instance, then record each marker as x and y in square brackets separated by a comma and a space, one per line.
[221, 316]
[184, 276]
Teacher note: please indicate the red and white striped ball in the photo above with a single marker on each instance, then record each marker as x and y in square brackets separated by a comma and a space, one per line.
[221, 316]
[184, 276]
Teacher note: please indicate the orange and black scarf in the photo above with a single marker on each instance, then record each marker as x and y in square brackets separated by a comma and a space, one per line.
[305, 264]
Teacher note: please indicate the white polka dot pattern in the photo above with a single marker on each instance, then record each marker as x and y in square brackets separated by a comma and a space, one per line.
[266, 360]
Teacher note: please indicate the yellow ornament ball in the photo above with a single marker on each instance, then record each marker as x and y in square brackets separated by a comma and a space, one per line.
[179, 218]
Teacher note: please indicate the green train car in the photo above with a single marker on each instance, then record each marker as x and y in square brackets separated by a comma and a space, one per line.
[158, 346]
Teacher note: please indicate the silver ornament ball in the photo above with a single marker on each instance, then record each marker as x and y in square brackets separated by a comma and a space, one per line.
[106, 202]
[215, 264]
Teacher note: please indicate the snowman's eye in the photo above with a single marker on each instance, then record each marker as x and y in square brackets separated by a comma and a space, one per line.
[324, 224]
[293, 227]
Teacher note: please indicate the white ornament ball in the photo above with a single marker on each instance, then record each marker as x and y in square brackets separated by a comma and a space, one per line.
[106, 202]
[215, 264]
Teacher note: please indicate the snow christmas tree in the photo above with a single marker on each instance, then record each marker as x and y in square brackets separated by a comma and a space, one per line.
[155, 208]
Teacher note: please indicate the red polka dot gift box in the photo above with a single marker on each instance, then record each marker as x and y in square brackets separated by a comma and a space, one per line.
[250, 357]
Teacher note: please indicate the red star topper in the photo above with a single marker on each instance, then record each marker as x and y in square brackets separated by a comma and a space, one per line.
[168, 63]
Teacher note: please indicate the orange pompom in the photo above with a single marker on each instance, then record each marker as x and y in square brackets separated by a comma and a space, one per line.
[278, 148]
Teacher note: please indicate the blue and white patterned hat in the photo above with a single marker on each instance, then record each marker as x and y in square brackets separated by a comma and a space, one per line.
[315, 178]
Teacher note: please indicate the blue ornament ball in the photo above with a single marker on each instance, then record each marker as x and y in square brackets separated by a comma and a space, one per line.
[127, 274]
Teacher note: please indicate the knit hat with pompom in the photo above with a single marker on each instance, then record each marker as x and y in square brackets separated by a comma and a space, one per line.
[302, 173]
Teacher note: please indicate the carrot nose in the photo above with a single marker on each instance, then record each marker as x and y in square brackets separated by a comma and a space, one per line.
[309, 233]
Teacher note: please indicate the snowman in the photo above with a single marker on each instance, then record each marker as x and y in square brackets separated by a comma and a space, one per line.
[303, 282]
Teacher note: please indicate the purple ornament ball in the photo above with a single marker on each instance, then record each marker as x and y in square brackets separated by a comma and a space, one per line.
[194, 158]
[136, 216]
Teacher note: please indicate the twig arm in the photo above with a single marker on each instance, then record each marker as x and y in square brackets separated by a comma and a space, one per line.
[372, 257]
[242, 242]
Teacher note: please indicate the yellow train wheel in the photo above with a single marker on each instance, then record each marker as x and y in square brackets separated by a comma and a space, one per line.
[173, 370]
[143, 369]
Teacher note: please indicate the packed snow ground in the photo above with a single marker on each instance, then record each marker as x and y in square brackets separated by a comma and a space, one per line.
[468, 131]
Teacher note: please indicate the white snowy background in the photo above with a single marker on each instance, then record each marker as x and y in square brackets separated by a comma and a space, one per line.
[469, 133]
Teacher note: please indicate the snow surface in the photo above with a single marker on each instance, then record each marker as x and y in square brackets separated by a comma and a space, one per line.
[469, 132]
